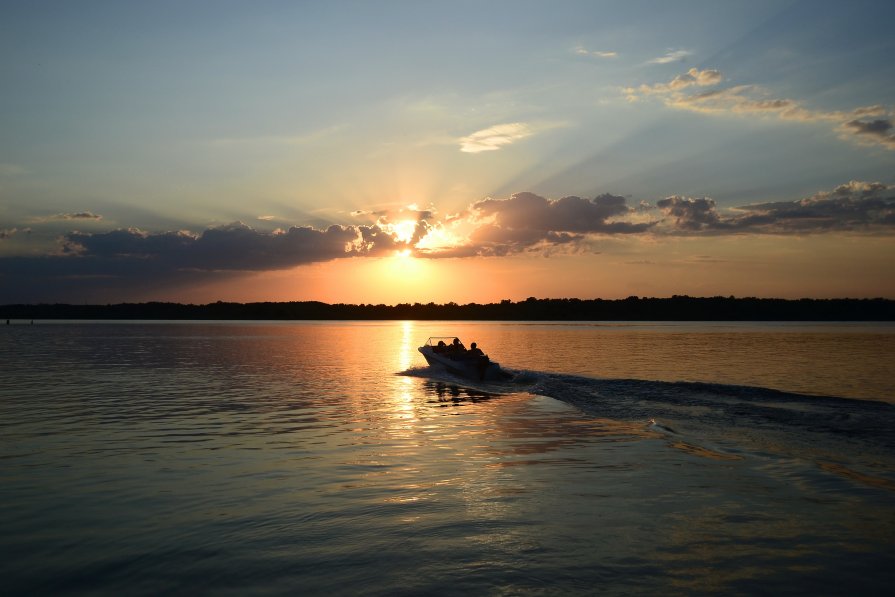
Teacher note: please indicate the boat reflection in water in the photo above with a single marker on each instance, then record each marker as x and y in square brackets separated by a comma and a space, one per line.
[447, 394]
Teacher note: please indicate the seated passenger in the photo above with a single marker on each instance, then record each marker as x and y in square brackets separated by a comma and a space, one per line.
[441, 347]
[475, 350]
[457, 346]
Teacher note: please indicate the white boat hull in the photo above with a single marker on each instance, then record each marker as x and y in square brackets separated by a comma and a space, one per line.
[470, 367]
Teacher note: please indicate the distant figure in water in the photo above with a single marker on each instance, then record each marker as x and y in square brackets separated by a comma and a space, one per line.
[474, 350]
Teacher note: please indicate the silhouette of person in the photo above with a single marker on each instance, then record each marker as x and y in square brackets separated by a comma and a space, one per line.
[475, 350]
[457, 346]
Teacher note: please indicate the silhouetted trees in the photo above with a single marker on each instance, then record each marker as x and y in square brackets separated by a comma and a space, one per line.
[676, 308]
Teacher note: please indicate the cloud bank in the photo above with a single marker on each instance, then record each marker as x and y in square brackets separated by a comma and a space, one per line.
[855, 207]
[522, 223]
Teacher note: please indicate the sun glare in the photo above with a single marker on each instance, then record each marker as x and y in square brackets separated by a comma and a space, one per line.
[404, 231]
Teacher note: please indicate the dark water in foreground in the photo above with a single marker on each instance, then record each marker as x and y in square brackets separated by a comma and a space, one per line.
[326, 458]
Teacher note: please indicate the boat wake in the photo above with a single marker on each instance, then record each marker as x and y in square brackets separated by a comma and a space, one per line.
[852, 438]
[721, 420]
[720, 405]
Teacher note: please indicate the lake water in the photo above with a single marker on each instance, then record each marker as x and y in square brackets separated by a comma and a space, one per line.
[327, 458]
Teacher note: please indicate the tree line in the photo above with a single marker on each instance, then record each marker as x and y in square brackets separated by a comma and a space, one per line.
[633, 308]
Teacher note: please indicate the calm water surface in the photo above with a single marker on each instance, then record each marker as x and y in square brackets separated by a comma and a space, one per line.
[325, 457]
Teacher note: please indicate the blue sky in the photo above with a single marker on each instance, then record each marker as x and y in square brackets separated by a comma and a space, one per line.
[160, 117]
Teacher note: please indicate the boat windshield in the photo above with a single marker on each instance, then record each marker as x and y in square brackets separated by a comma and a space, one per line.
[434, 340]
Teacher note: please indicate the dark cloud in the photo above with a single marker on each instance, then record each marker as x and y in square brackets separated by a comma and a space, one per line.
[858, 206]
[81, 215]
[879, 131]
[874, 127]
[526, 219]
[861, 206]
[376, 241]
[132, 256]
[77, 215]
[691, 214]
[233, 247]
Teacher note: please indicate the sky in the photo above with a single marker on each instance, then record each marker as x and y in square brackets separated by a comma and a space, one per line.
[400, 152]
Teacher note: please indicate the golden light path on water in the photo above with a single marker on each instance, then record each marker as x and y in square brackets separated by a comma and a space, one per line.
[404, 400]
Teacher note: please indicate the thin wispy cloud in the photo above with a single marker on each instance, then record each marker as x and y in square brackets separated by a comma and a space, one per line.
[78, 215]
[867, 125]
[671, 56]
[692, 78]
[582, 51]
[494, 137]
[296, 139]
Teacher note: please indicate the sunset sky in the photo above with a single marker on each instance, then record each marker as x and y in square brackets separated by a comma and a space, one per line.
[390, 151]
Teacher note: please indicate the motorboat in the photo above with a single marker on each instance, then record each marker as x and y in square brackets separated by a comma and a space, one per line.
[449, 353]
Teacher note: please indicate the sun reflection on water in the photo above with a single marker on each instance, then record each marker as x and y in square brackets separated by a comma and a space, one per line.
[404, 397]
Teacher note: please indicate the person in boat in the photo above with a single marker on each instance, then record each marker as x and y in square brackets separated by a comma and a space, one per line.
[440, 347]
[457, 346]
[475, 351]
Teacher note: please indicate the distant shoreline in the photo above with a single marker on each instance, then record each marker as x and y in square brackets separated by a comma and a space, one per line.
[676, 308]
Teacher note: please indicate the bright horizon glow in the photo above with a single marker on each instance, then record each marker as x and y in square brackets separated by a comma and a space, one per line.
[583, 149]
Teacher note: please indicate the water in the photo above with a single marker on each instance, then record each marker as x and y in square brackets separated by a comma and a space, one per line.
[325, 457]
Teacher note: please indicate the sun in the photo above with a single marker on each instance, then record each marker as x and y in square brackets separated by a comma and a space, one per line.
[404, 231]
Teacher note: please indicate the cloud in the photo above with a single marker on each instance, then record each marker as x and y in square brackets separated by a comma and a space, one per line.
[126, 260]
[879, 131]
[528, 221]
[671, 56]
[235, 247]
[867, 125]
[690, 214]
[855, 206]
[569, 214]
[582, 51]
[10, 232]
[80, 215]
[307, 137]
[495, 137]
[132, 253]
[692, 78]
